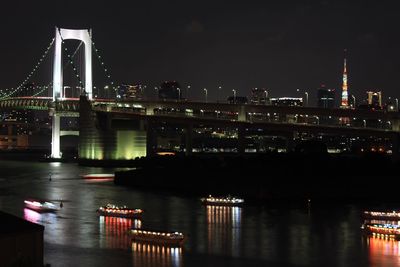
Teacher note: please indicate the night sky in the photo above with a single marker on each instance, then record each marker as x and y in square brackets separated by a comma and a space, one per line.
[279, 45]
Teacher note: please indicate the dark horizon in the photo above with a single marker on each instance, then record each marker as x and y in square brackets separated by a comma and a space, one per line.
[279, 46]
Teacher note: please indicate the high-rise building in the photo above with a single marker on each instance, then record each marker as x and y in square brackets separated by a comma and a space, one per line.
[287, 101]
[375, 99]
[259, 96]
[326, 97]
[170, 90]
[130, 91]
[237, 99]
[345, 97]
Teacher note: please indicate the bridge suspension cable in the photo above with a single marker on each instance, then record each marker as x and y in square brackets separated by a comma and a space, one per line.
[105, 69]
[28, 77]
[66, 65]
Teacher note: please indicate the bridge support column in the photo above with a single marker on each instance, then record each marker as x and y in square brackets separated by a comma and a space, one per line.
[10, 137]
[150, 109]
[395, 147]
[242, 113]
[150, 140]
[290, 144]
[189, 140]
[241, 140]
[395, 125]
[55, 137]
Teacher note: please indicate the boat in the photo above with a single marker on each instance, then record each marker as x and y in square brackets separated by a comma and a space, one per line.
[382, 215]
[382, 230]
[40, 206]
[163, 238]
[222, 201]
[116, 211]
[99, 176]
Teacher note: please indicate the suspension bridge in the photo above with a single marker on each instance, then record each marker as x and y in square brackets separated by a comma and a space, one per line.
[54, 98]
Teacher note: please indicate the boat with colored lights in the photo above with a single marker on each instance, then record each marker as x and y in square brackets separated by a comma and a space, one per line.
[222, 201]
[164, 238]
[382, 230]
[382, 215]
[99, 176]
[40, 206]
[116, 211]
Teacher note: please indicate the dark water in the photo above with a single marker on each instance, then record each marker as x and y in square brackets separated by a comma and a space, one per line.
[217, 236]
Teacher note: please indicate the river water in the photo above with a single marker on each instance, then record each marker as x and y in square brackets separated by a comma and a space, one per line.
[217, 236]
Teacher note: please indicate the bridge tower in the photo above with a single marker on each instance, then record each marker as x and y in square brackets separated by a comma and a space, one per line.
[83, 35]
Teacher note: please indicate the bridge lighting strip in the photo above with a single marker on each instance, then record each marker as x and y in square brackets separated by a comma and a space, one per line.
[38, 64]
[102, 64]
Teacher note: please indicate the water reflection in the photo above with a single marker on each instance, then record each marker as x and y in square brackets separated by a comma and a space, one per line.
[383, 252]
[224, 229]
[114, 231]
[39, 218]
[156, 255]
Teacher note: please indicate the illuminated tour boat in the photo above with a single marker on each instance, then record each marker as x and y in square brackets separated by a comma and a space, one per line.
[382, 215]
[226, 201]
[40, 206]
[382, 230]
[123, 212]
[163, 238]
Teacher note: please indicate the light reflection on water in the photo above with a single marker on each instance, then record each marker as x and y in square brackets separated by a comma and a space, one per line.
[287, 237]
[115, 232]
[156, 255]
[224, 229]
[383, 252]
[39, 218]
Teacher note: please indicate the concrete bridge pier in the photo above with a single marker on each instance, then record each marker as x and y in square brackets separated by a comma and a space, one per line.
[10, 136]
[151, 141]
[242, 114]
[189, 139]
[395, 147]
[149, 109]
[55, 136]
[395, 125]
[290, 143]
[241, 140]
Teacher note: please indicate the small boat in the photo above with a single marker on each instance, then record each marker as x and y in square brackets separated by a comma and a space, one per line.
[222, 201]
[164, 238]
[40, 206]
[382, 215]
[99, 176]
[115, 211]
[382, 230]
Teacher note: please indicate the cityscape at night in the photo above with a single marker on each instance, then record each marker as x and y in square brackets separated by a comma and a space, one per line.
[213, 133]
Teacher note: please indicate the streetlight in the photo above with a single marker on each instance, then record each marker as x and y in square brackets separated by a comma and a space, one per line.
[306, 93]
[354, 101]
[187, 92]
[205, 91]
[219, 89]
[179, 93]
[156, 89]
[234, 96]
[266, 96]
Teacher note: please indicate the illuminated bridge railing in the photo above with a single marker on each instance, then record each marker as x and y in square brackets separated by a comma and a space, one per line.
[370, 120]
[40, 103]
[221, 111]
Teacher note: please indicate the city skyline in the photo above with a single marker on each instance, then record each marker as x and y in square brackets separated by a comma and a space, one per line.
[207, 46]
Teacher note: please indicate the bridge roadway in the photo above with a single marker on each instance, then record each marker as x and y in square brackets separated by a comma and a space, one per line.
[274, 128]
[72, 105]
[240, 119]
